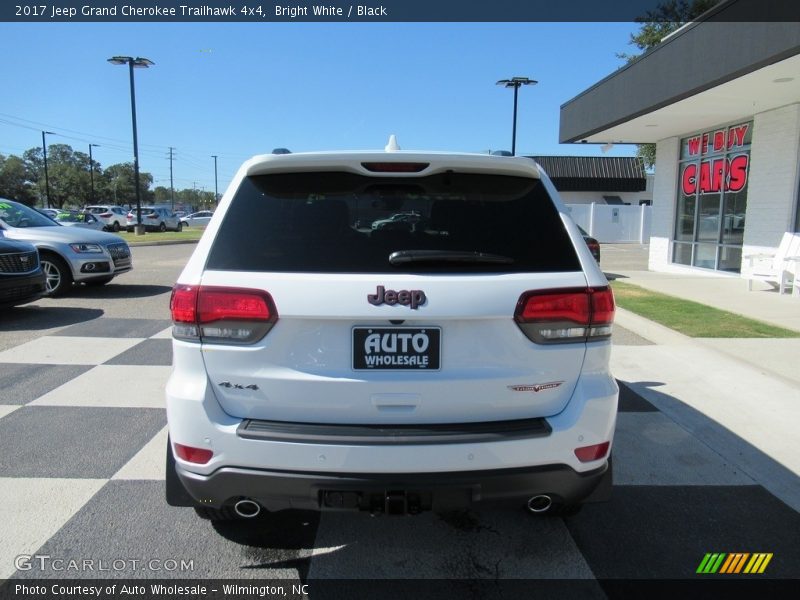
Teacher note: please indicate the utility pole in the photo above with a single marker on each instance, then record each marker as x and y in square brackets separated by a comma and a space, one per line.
[91, 168]
[171, 184]
[216, 192]
[46, 178]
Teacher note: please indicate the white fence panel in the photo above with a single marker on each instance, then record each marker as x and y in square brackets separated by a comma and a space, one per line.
[613, 223]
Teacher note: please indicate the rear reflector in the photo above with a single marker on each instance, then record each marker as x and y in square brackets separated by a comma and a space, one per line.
[221, 314]
[568, 315]
[395, 167]
[590, 453]
[198, 456]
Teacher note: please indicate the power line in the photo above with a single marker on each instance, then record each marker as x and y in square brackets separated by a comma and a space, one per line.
[39, 125]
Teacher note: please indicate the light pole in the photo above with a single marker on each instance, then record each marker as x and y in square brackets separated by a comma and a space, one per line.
[91, 168]
[46, 179]
[216, 193]
[516, 83]
[139, 63]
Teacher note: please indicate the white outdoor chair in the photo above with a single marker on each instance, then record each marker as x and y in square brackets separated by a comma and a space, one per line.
[793, 266]
[778, 268]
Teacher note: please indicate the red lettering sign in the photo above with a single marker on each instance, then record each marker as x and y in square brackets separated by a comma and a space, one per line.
[719, 174]
[719, 141]
[689, 179]
[694, 146]
[737, 173]
[736, 135]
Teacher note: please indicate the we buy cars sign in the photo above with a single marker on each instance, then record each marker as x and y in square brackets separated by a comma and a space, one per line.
[726, 172]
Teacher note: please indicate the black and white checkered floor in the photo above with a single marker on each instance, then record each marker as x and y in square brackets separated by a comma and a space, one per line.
[82, 442]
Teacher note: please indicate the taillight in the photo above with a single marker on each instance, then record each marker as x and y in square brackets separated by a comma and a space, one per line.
[221, 315]
[569, 315]
[105, 215]
[190, 454]
[594, 452]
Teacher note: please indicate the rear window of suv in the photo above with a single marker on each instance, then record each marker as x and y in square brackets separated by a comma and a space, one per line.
[333, 222]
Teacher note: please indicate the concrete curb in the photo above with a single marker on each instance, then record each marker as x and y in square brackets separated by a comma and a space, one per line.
[650, 330]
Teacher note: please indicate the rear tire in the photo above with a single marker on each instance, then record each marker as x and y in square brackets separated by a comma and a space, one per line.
[115, 227]
[58, 277]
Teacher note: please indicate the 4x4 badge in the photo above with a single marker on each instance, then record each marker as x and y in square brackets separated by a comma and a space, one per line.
[536, 387]
[237, 386]
[412, 298]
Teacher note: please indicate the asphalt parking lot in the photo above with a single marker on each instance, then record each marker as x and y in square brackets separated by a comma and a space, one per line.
[82, 441]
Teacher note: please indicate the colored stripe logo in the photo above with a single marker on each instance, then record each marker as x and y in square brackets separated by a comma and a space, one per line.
[734, 563]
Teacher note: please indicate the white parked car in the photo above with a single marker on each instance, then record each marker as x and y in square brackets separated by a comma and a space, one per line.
[324, 366]
[154, 219]
[198, 219]
[113, 218]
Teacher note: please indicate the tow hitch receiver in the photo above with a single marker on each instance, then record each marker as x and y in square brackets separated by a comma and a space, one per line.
[396, 503]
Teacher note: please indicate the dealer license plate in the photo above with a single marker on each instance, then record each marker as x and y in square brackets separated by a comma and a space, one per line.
[396, 348]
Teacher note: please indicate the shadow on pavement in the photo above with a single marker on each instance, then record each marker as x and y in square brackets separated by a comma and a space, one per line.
[613, 276]
[284, 530]
[772, 475]
[112, 291]
[36, 318]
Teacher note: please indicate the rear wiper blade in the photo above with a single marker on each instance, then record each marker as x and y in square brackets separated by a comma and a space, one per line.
[402, 257]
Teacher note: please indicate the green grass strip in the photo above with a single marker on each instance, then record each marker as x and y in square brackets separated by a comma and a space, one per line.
[192, 234]
[692, 318]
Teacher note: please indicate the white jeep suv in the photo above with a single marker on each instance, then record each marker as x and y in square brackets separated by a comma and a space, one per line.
[322, 364]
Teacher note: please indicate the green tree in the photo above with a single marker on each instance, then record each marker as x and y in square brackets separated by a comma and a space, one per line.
[68, 174]
[656, 25]
[162, 194]
[15, 182]
[118, 185]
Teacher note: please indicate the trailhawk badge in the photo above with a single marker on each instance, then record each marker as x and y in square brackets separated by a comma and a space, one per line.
[536, 387]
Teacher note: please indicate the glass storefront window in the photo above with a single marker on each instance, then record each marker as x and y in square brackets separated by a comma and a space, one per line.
[712, 197]
[684, 227]
[705, 256]
[730, 259]
[682, 254]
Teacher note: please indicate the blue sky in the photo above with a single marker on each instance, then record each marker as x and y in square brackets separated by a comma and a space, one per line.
[241, 89]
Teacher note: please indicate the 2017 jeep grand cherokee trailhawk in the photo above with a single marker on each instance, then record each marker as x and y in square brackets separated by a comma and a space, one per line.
[456, 357]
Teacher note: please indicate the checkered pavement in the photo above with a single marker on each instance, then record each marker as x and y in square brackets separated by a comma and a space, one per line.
[82, 442]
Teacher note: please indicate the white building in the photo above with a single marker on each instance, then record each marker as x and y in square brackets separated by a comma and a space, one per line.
[720, 98]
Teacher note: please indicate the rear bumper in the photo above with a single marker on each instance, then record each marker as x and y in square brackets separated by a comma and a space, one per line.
[277, 490]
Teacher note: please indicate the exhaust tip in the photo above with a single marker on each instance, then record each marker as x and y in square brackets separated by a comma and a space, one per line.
[247, 509]
[540, 504]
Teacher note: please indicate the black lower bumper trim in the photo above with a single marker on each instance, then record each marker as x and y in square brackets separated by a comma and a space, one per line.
[277, 490]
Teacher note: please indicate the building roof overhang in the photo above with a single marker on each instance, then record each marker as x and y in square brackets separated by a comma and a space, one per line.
[708, 73]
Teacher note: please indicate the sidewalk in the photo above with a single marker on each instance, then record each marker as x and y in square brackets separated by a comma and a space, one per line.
[740, 396]
[725, 292]
[780, 357]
